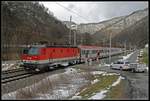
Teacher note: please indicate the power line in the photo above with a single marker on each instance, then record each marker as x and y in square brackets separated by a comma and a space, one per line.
[72, 11]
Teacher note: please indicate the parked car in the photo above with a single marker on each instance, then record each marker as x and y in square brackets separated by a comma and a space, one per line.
[121, 65]
[135, 67]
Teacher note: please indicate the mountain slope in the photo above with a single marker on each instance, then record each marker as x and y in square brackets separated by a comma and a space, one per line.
[136, 34]
[115, 25]
[125, 22]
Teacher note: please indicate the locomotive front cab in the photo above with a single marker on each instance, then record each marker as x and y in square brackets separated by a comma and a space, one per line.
[31, 58]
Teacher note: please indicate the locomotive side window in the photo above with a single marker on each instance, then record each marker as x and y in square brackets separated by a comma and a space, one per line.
[25, 51]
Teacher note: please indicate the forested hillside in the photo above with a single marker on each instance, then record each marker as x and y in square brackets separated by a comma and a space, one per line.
[25, 22]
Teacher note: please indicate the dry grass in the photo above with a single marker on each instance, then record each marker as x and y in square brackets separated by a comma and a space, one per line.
[116, 93]
[46, 86]
[30, 92]
[104, 82]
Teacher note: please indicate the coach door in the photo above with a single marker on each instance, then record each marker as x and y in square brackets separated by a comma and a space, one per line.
[86, 53]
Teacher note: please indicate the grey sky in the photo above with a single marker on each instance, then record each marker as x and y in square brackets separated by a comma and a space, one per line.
[93, 11]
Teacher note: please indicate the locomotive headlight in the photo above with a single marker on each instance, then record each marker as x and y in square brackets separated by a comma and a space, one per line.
[23, 60]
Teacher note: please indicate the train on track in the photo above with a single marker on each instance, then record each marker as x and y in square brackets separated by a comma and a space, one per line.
[44, 57]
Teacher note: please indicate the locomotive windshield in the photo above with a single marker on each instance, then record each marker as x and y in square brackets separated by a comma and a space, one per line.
[31, 51]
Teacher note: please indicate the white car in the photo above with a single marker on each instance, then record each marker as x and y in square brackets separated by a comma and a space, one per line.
[121, 65]
[135, 67]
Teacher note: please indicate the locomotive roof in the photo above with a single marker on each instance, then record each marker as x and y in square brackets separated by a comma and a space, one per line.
[85, 46]
[63, 46]
[55, 46]
[95, 47]
[69, 46]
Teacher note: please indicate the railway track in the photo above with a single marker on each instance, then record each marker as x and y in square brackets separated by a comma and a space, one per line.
[11, 71]
[14, 74]
[17, 77]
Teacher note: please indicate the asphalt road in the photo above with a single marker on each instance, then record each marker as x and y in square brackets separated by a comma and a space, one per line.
[138, 82]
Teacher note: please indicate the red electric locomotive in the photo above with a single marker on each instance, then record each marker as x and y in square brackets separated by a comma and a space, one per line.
[41, 57]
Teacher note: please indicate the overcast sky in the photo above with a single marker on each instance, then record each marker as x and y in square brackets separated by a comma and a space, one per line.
[90, 12]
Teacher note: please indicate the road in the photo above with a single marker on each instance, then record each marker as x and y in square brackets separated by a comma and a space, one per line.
[138, 82]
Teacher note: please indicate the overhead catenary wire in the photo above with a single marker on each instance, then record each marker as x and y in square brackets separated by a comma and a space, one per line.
[72, 11]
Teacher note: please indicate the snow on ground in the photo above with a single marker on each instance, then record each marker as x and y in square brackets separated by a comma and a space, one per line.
[118, 81]
[63, 85]
[6, 66]
[59, 93]
[104, 64]
[103, 73]
[107, 65]
[99, 95]
[147, 68]
[97, 72]
[76, 97]
[127, 56]
[102, 93]
[94, 81]
[64, 64]
[9, 96]
[70, 70]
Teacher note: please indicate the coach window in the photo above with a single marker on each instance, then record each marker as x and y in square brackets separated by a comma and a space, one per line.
[82, 51]
[94, 52]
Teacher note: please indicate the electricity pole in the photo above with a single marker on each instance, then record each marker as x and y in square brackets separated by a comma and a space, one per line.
[103, 42]
[74, 38]
[125, 47]
[70, 31]
[75, 35]
[110, 48]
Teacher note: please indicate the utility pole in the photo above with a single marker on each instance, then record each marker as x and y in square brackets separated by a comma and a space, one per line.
[130, 46]
[75, 35]
[125, 47]
[103, 42]
[74, 38]
[70, 31]
[110, 48]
